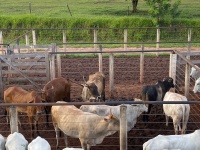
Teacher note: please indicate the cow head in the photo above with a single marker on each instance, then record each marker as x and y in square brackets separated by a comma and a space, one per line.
[141, 107]
[197, 86]
[90, 92]
[36, 97]
[48, 94]
[194, 73]
[113, 122]
[168, 83]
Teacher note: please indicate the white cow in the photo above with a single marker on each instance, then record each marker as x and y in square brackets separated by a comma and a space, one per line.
[133, 112]
[16, 141]
[2, 142]
[174, 142]
[197, 86]
[90, 128]
[177, 112]
[39, 144]
[195, 73]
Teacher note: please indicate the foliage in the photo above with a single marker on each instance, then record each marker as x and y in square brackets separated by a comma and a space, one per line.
[160, 9]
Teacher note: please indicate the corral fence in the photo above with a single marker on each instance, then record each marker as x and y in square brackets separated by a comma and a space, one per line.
[180, 64]
[17, 65]
[125, 38]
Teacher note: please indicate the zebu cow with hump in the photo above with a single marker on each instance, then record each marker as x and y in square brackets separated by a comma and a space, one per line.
[16, 95]
[90, 128]
[156, 93]
[94, 88]
[178, 112]
[174, 142]
[56, 90]
[132, 112]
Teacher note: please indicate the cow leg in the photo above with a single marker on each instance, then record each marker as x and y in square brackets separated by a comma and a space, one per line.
[57, 135]
[31, 125]
[167, 118]
[7, 116]
[65, 139]
[36, 124]
[84, 144]
[47, 112]
[146, 114]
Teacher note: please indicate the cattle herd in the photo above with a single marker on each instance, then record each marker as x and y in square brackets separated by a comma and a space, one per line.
[92, 123]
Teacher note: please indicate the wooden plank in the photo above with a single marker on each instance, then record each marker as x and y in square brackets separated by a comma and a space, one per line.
[35, 72]
[24, 55]
[25, 64]
[192, 61]
[24, 80]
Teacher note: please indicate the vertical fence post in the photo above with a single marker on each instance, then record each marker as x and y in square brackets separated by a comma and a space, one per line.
[158, 40]
[1, 42]
[34, 39]
[111, 74]
[187, 67]
[95, 39]
[64, 40]
[123, 127]
[27, 41]
[125, 39]
[52, 63]
[142, 65]
[1, 82]
[58, 59]
[100, 59]
[13, 119]
[172, 68]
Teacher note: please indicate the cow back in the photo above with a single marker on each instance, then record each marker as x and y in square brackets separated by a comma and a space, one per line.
[57, 89]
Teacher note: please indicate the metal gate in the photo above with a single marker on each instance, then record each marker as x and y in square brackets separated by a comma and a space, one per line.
[27, 70]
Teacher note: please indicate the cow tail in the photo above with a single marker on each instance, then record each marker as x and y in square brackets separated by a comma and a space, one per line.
[184, 111]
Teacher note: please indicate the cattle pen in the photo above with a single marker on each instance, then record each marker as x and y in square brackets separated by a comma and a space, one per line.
[122, 86]
[126, 69]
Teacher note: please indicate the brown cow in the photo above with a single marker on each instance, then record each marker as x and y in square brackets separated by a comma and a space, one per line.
[94, 88]
[56, 90]
[18, 95]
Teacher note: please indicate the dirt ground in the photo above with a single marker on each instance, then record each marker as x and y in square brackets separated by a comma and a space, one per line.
[127, 87]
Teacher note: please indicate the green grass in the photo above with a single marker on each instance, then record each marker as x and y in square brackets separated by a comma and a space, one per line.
[87, 8]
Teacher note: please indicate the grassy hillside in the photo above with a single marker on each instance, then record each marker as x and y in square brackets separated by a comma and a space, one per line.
[88, 8]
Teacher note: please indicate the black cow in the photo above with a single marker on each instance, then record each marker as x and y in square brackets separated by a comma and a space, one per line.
[156, 93]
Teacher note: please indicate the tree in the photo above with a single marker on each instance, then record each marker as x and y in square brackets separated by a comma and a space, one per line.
[160, 9]
[134, 5]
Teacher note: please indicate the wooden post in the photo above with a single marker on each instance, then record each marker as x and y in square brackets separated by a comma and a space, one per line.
[1, 42]
[111, 74]
[27, 41]
[13, 119]
[100, 59]
[1, 82]
[48, 63]
[34, 39]
[123, 127]
[187, 67]
[58, 64]
[142, 65]
[125, 39]
[52, 63]
[95, 39]
[172, 68]
[64, 40]
[158, 40]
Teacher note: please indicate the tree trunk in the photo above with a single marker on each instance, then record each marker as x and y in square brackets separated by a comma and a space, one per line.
[134, 3]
